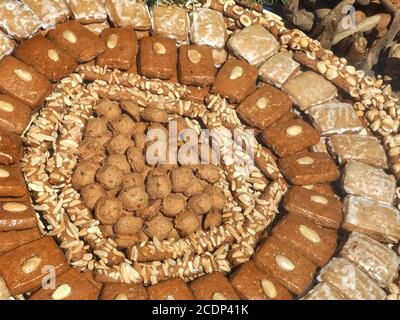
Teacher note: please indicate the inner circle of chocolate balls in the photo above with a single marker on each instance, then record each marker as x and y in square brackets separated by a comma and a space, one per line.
[133, 199]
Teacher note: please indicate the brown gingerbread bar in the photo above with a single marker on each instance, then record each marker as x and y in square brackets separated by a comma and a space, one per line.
[71, 285]
[288, 266]
[304, 91]
[78, 41]
[121, 48]
[14, 115]
[12, 182]
[157, 57]
[323, 291]
[197, 94]
[376, 219]
[6, 45]
[290, 137]
[309, 168]
[213, 286]
[252, 283]
[360, 179]
[324, 189]
[314, 242]
[24, 268]
[278, 69]
[16, 215]
[43, 55]
[375, 259]
[49, 12]
[88, 11]
[255, 44]
[22, 82]
[123, 291]
[133, 14]
[264, 107]
[321, 209]
[171, 22]
[196, 66]
[235, 80]
[14, 239]
[173, 289]
[10, 148]
[350, 281]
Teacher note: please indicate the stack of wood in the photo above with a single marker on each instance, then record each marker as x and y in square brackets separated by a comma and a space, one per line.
[366, 32]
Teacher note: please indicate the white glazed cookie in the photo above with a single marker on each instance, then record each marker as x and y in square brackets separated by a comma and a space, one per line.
[50, 12]
[208, 28]
[129, 13]
[17, 20]
[88, 11]
[323, 291]
[171, 22]
[97, 27]
[6, 45]
[253, 44]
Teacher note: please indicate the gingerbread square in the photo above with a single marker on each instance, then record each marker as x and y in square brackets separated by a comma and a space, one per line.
[213, 286]
[14, 239]
[309, 89]
[290, 137]
[321, 209]
[208, 28]
[235, 80]
[173, 289]
[196, 66]
[264, 107]
[350, 281]
[314, 242]
[129, 13]
[18, 215]
[309, 168]
[157, 57]
[71, 285]
[12, 182]
[334, 118]
[365, 149]
[378, 261]
[363, 180]
[88, 11]
[123, 291]
[171, 22]
[378, 220]
[324, 189]
[253, 44]
[22, 82]
[252, 283]
[121, 48]
[288, 266]
[24, 268]
[43, 55]
[323, 291]
[50, 13]
[10, 148]
[6, 45]
[278, 69]
[14, 115]
[78, 41]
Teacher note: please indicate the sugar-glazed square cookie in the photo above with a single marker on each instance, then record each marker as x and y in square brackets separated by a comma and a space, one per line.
[253, 44]
[50, 12]
[6, 45]
[129, 13]
[208, 28]
[88, 11]
[323, 291]
[172, 22]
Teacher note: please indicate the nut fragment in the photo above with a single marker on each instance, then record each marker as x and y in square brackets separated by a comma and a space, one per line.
[284, 263]
[269, 288]
[121, 296]
[306, 161]
[319, 199]
[112, 41]
[236, 73]
[4, 173]
[14, 207]
[61, 292]
[331, 74]
[321, 66]
[261, 103]
[159, 48]
[218, 296]
[245, 20]
[6, 107]
[53, 55]
[237, 10]
[31, 265]
[170, 297]
[309, 234]
[23, 75]
[194, 56]
[69, 36]
[294, 131]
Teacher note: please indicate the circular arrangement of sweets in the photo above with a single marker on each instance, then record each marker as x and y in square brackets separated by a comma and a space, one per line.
[303, 206]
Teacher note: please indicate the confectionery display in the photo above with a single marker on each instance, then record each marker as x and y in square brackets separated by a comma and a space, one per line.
[195, 151]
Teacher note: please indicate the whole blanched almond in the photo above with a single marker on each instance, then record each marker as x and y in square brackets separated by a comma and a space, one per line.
[53, 55]
[261, 103]
[309, 234]
[194, 56]
[159, 48]
[69, 36]
[4, 173]
[284, 263]
[6, 106]
[294, 131]
[61, 292]
[218, 296]
[236, 73]
[31, 265]
[319, 199]
[269, 288]
[170, 297]
[305, 161]
[112, 41]
[121, 296]
[14, 207]
[23, 75]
